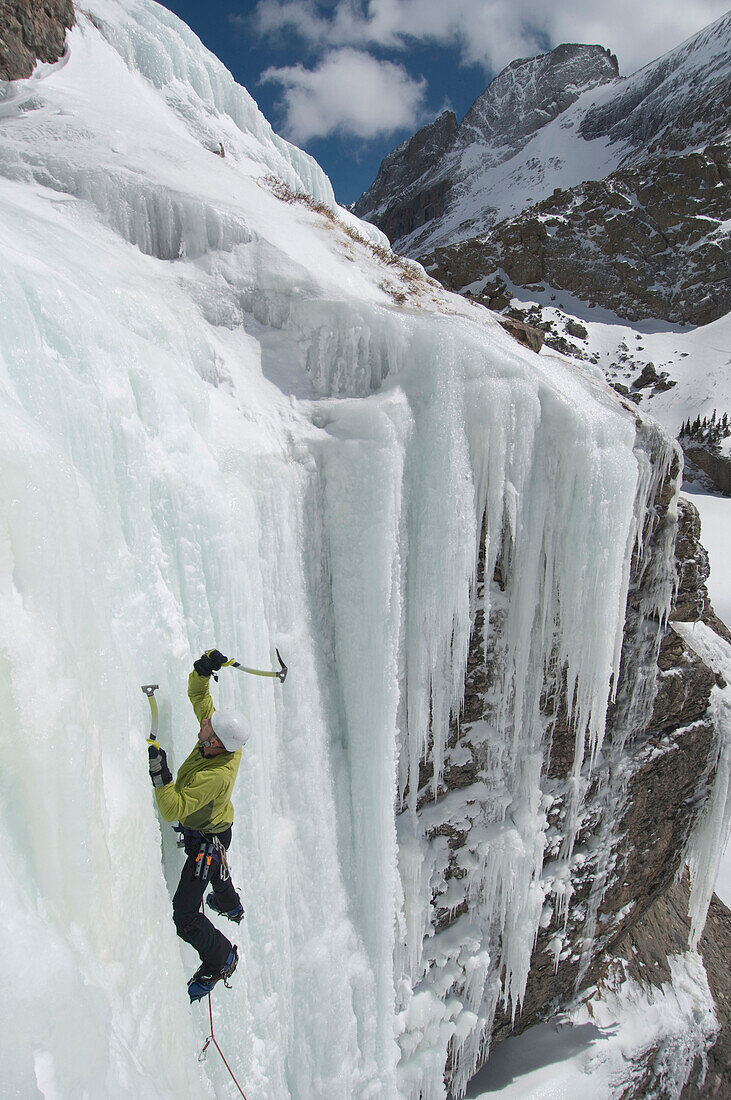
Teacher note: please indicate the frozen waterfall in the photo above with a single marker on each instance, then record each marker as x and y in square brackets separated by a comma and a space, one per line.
[227, 419]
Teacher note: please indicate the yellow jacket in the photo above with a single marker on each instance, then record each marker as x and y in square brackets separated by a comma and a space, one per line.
[200, 797]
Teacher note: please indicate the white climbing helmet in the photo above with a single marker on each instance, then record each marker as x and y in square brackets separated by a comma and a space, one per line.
[231, 729]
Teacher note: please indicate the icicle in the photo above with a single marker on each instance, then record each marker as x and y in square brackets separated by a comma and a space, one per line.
[711, 833]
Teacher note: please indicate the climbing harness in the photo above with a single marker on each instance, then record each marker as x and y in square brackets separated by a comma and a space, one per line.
[211, 851]
[204, 859]
[225, 872]
[212, 1038]
[206, 849]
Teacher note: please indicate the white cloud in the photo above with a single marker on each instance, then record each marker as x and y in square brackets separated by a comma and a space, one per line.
[494, 32]
[349, 92]
[638, 33]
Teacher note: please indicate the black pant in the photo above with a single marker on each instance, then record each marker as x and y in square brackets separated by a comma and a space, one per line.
[190, 924]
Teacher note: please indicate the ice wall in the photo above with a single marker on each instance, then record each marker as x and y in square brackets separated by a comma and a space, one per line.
[226, 420]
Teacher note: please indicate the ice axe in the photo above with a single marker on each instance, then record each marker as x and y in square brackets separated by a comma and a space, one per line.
[149, 690]
[280, 673]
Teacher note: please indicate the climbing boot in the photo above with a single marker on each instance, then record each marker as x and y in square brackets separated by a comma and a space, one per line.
[204, 980]
[236, 914]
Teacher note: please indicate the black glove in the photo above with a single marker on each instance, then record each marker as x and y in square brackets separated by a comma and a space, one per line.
[160, 773]
[209, 662]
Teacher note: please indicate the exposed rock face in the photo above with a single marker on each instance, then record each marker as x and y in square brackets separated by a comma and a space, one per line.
[640, 803]
[718, 467]
[526, 335]
[532, 91]
[661, 931]
[402, 169]
[421, 206]
[645, 242]
[32, 31]
[691, 598]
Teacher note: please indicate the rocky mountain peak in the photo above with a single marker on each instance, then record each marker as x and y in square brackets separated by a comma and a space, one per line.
[669, 93]
[430, 141]
[419, 173]
[532, 91]
[534, 130]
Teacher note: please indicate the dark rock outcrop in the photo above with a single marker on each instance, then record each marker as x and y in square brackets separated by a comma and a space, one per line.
[416, 209]
[32, 31]
[400, 173]
[718, 467]
[646, 242]
[526, 335]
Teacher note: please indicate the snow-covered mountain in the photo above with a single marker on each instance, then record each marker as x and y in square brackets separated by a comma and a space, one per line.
[554, 121]
[232, 416]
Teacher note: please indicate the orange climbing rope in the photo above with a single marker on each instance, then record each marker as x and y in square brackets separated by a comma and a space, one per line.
[212, 1039]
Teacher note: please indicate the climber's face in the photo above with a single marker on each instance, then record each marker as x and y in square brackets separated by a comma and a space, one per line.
[210, 744]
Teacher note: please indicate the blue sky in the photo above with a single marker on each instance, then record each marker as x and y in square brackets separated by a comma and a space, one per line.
[349, 79]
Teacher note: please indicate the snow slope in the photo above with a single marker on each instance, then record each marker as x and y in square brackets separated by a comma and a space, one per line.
[695, 359]
[229, 419]
[601, 1045]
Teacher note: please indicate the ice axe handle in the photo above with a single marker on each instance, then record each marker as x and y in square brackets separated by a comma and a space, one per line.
[277, 674]
[149, 690]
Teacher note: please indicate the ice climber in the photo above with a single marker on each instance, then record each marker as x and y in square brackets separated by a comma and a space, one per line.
[200, 801]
